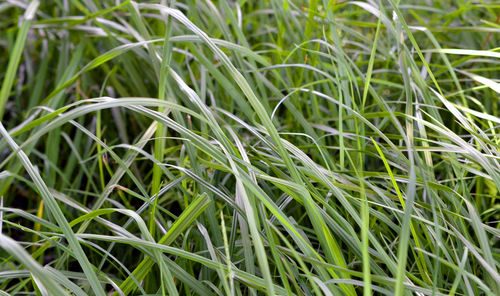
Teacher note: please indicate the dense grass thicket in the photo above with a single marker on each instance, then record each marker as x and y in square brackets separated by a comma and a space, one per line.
[263, 147]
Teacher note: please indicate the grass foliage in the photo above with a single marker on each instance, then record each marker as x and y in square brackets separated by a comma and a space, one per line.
[264, 147]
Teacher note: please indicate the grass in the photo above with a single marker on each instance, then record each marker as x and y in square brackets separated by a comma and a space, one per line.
[249, 148]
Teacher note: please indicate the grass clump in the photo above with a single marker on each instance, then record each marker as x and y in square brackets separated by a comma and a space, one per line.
[249, 148]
